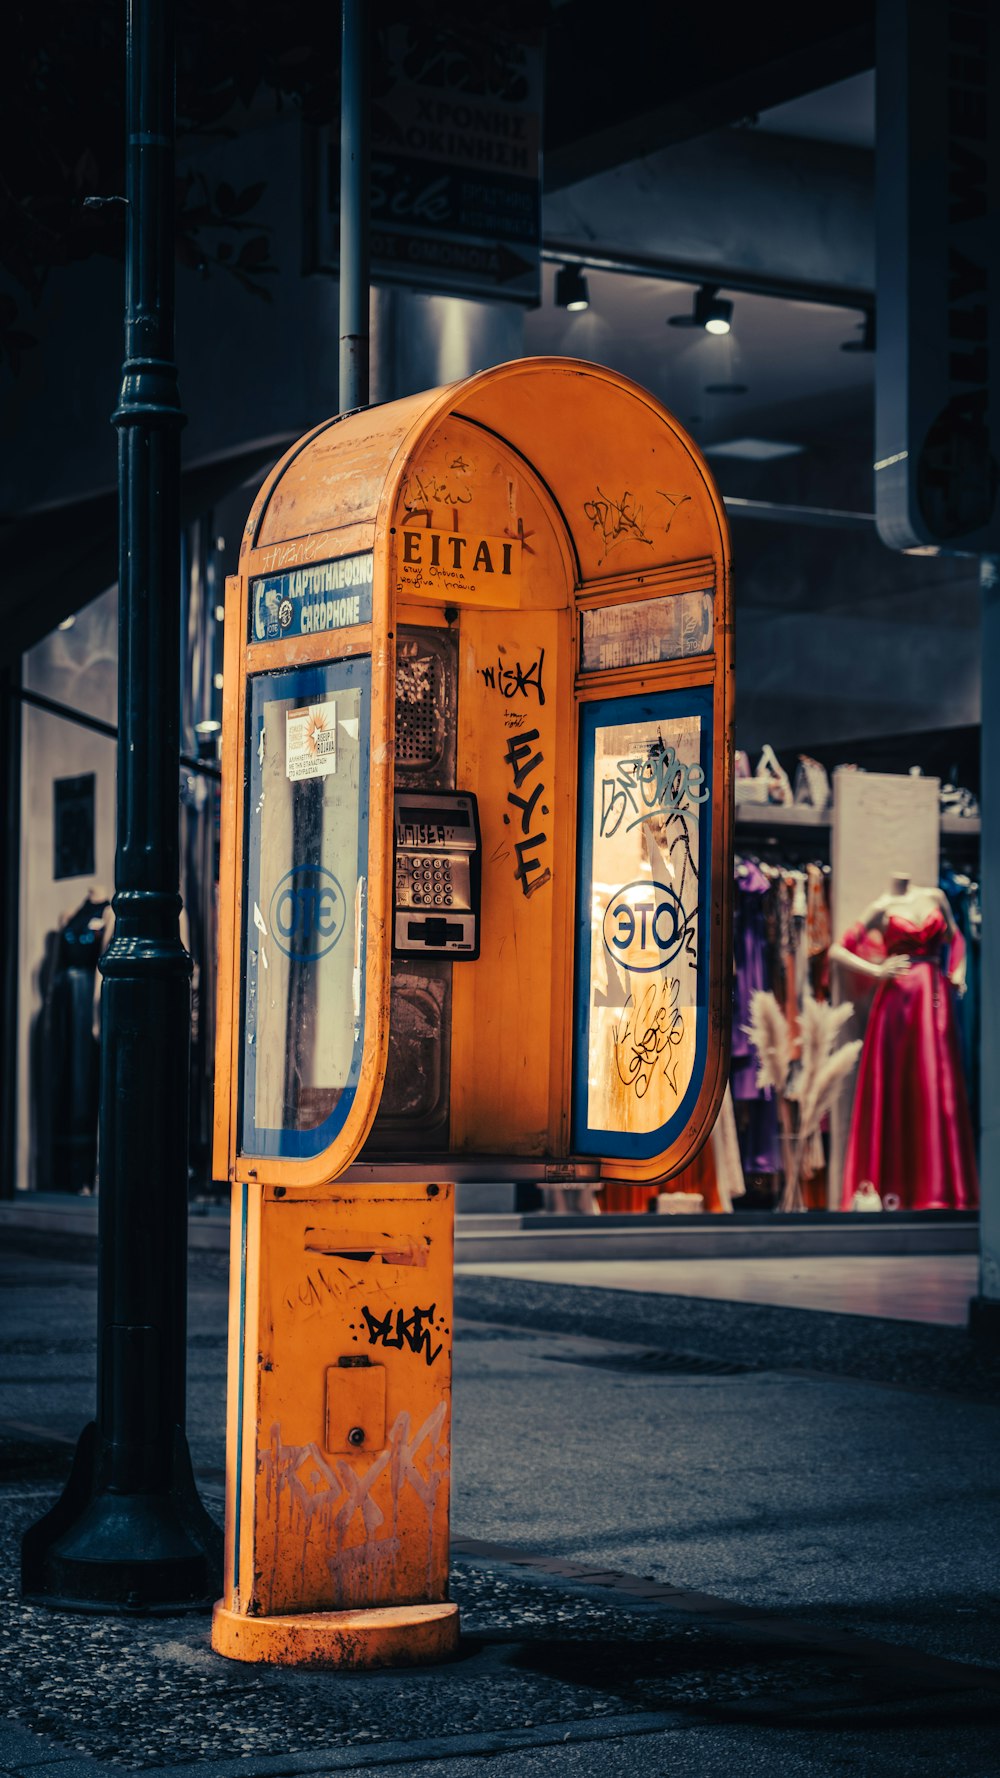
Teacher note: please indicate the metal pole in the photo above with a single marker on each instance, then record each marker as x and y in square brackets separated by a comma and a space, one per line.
[130, 1533]
[355, 134]
[10, 864]
[984, 1309]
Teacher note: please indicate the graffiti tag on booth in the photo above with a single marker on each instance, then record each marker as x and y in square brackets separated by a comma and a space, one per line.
[527, 762]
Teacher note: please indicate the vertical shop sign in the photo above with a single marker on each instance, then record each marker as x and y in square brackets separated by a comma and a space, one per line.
[937, 456]
[455, 162]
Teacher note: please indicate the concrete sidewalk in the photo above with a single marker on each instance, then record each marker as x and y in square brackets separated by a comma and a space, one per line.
[930, 1287]
[530, 1238]
[691, 1538]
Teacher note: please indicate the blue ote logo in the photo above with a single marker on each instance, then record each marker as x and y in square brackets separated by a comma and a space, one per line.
[307, 913]
[644, 926]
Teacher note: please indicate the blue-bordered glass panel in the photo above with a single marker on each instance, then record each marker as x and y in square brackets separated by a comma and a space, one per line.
[643, 921]
[306, 828]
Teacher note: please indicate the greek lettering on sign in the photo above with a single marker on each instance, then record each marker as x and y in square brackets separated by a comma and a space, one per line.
[458, 564]
[309, 600]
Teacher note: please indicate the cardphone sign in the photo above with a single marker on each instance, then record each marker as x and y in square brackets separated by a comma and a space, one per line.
[320, 596]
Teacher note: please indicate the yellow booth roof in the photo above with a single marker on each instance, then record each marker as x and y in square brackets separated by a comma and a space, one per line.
[633, 490]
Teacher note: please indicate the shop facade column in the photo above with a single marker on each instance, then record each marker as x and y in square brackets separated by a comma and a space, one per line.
[984, 1317]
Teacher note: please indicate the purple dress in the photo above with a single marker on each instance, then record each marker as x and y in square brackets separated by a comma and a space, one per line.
[758, 1122]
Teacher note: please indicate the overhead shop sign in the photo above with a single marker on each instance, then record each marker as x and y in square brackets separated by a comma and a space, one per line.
[937, 456]
[455, 164]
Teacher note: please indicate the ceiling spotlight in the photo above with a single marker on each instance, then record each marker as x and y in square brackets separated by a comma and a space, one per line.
[709, 310]
[571, 289]
[718, 316]
[867, 341]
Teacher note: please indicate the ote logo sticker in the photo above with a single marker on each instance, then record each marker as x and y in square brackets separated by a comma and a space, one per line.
[644, 926]
[307, 913]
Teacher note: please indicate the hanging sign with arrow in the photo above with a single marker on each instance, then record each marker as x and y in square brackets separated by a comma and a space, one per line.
[455, 164]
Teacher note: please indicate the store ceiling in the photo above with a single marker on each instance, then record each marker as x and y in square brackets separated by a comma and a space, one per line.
[620, 86]
[765, 379]
[782, 374]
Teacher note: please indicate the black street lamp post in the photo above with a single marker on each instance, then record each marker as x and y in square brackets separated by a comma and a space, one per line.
[130, 1532]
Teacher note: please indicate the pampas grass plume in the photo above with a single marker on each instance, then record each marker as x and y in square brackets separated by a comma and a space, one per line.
[819, 1026]
[768, 1032]
[829, 1080]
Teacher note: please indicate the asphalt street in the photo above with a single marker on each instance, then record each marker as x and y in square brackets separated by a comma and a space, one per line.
[689, 1538]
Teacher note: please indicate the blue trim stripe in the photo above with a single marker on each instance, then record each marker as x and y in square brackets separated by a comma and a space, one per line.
[240, 1390]
[297, 686]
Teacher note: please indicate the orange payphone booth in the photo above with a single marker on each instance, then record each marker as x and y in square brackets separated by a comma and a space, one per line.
[474, 908]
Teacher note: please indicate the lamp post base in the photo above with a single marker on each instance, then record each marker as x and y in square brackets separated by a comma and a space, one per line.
[101, 1550]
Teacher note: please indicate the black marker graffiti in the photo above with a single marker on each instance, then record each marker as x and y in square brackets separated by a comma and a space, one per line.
[615, 519]
[650, 1030]
[522, 536]
[516, 681]
[413, 1330]
[657, 785]
[423, 492]
[523, 762]
[673, 501]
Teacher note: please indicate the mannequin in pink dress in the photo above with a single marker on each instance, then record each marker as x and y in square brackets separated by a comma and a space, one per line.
[911, 1134]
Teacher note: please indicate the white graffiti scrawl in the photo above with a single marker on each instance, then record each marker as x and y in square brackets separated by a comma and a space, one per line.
[317, 1500]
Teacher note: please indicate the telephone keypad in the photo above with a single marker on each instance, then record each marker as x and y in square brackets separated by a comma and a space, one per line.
[437, 874]
[430, 881]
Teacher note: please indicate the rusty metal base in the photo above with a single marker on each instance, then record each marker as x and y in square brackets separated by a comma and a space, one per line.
[386, 1636]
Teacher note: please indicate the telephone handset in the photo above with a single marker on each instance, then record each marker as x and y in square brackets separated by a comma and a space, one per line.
[438, 874]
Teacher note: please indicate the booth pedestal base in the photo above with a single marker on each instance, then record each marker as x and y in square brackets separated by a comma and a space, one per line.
[386, 1636]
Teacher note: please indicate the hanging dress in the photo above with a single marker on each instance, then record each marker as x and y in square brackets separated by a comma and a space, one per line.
[758, 1112]
[911, 1134]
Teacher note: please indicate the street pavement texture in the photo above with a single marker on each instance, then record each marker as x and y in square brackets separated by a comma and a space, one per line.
[690, 1538]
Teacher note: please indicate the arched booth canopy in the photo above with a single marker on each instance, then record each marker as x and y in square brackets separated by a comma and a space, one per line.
[475, 890]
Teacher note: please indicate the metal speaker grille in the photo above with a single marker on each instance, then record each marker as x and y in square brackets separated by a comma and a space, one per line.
[420, 696]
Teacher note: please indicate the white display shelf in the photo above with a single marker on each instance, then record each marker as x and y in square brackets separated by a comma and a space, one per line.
[779, 815]
[799, 815]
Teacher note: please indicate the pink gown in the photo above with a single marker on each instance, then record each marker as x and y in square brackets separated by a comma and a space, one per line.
[911, 1133]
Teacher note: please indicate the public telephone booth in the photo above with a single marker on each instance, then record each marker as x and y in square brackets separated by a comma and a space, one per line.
[474, 906]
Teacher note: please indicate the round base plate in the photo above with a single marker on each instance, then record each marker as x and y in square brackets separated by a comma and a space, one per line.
[385, 1636]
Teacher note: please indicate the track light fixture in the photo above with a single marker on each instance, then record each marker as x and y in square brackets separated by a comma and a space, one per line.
[709, 310]
[867, 341]
[571, 289]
